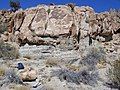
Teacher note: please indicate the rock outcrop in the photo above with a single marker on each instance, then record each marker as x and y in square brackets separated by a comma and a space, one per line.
[58, 24]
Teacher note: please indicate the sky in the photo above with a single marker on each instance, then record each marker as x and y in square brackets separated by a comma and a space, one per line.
[97, 5]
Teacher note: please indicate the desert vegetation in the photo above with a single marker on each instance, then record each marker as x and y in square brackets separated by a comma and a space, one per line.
[14, 4]
[3, 28]
[19, 87]
[51, 62]
[10, 76]
[114, 74]
[2, 71]
[8, 51]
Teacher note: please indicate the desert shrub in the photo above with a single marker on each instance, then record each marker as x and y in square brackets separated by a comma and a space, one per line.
[3, 28]
[2, 71]
[14, 4]
[8, 51]
[10, 77]
[48, 11]
[95, 55]
[114, 74]
[82, 76]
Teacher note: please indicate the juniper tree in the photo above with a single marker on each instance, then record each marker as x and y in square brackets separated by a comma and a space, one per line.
[14, 4]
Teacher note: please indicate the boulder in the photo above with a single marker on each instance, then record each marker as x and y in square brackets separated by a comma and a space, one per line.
[28, 74]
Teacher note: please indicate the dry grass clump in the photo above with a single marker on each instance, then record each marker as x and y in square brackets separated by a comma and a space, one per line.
[51, 62]
[2, 70]
[20, 87]
[73, 67]
[27, 56]
[101, 63]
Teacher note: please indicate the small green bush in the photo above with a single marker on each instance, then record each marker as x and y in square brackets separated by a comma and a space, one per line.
[48, 11]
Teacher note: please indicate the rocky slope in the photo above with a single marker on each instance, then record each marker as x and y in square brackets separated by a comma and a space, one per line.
[71, 48]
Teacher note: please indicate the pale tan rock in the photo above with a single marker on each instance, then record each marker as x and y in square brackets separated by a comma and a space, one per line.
[28, 20]
[57, 20]
[40, 22]
[18, 19]
[28, 74]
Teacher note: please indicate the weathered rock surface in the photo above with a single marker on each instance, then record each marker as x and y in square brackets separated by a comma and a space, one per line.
[28, 74]
[34, 25]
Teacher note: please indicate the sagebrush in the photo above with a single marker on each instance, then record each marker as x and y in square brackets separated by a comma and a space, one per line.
[8, 51]
[114, 74]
